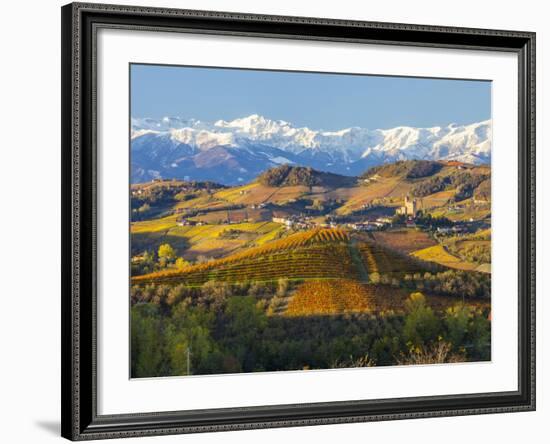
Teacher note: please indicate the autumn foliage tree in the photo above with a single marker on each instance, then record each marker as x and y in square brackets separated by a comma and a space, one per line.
[166, 254]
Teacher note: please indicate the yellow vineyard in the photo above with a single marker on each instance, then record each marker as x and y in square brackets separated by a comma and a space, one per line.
[439, 255]
[341, 296]
[306, 255]
[378, 259]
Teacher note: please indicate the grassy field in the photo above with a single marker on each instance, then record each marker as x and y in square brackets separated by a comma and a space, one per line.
[207, 240]
[436, 200]
[439, 255]
[204, 201]
[464, 211]
[367, 193]
[406, 240]
[154, 225]
[233, 216]
[253, 193]
[256, 193]
[462, 252]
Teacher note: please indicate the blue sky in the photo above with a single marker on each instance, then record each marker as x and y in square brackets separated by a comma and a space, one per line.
[319, 101]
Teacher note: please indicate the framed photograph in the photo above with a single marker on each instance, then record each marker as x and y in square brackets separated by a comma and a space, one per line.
[281, 221]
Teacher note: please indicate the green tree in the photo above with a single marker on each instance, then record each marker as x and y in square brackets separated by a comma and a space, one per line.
[146, 341]
[214, 294]
[457, 319]
[190, 345]
[244, 325]
[421, 324]
[479, 336]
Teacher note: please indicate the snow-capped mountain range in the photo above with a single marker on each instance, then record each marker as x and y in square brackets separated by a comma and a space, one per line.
[236, 151]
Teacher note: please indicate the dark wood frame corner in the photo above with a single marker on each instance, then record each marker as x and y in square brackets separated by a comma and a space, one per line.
[80, 22]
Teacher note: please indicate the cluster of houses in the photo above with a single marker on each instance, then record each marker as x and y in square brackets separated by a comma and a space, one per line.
[296, 222]
[378, 224]
[305, 223]
[455, 229]
[183, 222]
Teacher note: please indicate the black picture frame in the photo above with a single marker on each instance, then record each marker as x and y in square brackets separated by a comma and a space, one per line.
[80, 22]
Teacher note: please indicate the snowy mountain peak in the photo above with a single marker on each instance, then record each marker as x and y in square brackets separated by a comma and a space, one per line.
[345, 151]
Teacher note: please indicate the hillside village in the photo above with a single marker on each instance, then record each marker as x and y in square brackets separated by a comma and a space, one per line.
[307, 204]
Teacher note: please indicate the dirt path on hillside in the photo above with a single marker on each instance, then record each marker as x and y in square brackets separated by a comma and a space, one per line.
[358, 261]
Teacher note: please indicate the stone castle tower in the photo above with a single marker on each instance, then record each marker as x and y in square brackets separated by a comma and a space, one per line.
[410, 208]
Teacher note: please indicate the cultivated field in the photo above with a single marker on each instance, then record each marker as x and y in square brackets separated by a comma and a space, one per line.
[365, 194]
[379, 259]
[439, 255]
[341, 296]
[406, 240]
[331, 297]
[208, 240]
[321, 253]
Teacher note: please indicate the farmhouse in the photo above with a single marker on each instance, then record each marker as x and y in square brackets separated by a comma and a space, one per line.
[185, 222]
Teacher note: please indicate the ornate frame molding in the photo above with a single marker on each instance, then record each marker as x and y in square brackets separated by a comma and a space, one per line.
[79, 395]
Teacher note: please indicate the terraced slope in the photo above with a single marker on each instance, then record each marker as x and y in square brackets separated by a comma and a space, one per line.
[331, 297]
[318, 254]
[379, 259]
[314, 254]
[342, 296]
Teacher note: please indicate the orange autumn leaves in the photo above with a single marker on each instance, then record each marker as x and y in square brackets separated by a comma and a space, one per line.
[330, 297]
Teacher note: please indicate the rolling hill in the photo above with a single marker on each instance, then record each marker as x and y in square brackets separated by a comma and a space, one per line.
[316, 254]
[286, 175]
[454, 190]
